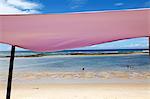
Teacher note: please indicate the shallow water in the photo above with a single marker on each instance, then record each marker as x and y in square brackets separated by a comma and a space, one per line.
[137, 63]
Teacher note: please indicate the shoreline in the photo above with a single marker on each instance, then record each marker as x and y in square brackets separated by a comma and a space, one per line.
[78, 77]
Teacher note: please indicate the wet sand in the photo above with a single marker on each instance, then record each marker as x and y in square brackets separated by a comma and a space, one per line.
[101, 75]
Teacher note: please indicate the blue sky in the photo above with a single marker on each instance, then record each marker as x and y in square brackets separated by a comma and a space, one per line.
[66, 6]
[62, 6]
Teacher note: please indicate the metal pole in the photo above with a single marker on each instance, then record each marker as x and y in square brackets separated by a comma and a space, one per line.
[149, 46]
[10, 73]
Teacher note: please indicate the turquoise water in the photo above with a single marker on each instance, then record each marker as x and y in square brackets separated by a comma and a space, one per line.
[137, 63]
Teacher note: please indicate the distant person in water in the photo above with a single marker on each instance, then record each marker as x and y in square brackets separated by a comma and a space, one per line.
[129, 67]
[83, 69]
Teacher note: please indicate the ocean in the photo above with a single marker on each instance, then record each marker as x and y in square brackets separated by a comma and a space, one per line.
[67, 61]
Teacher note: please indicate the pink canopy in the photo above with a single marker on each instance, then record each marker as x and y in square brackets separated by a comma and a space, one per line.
[53, 32]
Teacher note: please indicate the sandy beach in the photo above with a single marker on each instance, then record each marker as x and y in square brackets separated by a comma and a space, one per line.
[78, 91]
[71, 85]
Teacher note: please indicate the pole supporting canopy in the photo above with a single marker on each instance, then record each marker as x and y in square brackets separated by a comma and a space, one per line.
[10, 74]
[149, 46]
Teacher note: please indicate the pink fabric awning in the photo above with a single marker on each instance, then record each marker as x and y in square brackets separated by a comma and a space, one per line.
[53, 32]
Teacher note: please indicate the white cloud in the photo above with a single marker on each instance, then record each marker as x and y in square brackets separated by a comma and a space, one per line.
[18, 7]
[119, 4]
[22, 4]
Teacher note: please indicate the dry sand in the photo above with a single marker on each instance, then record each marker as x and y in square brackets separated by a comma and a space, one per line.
[78, 91]
[32, 86]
